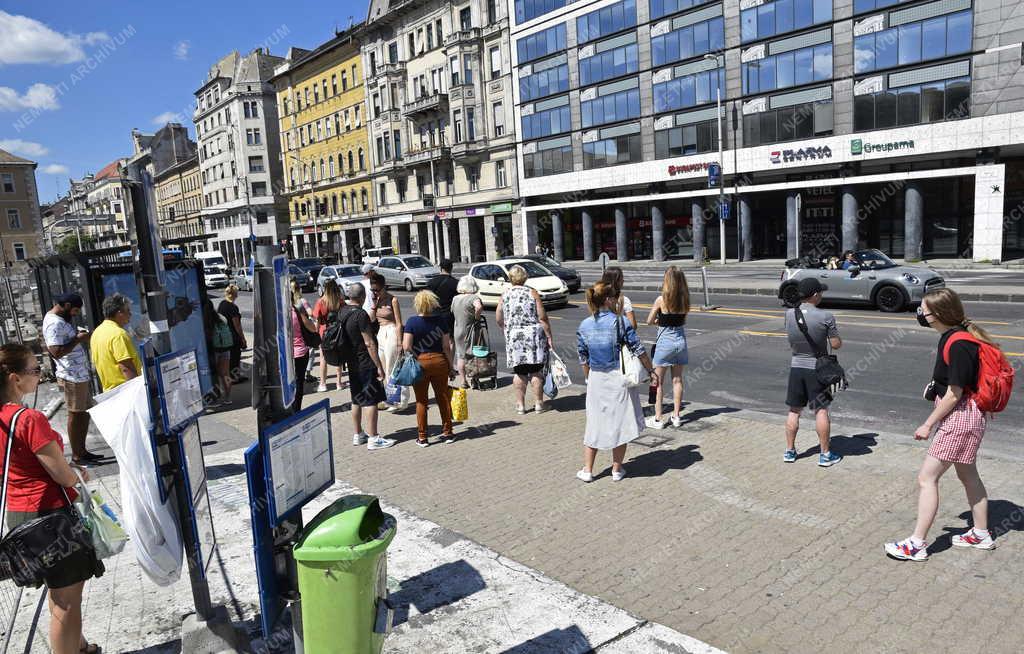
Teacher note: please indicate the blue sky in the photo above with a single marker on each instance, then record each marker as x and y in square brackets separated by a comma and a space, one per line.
[76, 77]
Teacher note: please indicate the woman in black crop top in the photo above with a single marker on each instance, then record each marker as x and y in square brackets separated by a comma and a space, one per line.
[670, 352]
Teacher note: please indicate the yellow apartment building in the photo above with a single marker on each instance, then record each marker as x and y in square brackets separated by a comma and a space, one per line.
[325, 151]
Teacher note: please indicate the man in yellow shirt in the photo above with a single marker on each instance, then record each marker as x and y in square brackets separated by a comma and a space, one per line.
[114, 355]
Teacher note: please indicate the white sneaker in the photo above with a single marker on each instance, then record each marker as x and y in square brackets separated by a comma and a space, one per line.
[618, 476]
[359, 439]
[322, 388]
[379, 443]
[973, 539]
[585, 476]
[654, 423]
[677, 421]
[540, 408]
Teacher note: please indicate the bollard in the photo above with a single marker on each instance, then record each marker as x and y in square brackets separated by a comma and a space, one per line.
[707, 293]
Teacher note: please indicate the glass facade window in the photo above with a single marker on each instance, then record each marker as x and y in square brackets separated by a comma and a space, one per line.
[860, 6]
[608, 20]
[612, 151]
[912, 105]
[689, 41]
[788, 123]
[934, 38]
[530, 9]
[548, 162]
[686, 139]
[608, 64]
[661, 8]
[547, 122]
[782, 16]
[689, 90]
[541, 44]
[611, 108]
[794, 68]
[544, 82]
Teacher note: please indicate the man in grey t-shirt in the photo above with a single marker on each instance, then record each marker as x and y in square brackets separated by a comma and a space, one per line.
[804, 389]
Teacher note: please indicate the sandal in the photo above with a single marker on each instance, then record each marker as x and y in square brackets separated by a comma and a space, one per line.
[91, 648]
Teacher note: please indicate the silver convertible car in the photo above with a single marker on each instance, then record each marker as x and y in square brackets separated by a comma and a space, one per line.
[872, 278]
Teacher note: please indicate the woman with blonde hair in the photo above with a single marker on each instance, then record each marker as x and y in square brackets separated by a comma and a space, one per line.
[614, 415]
[955, 425]
[527, 337]
[670, 353]
[328, 303]
[426, 337]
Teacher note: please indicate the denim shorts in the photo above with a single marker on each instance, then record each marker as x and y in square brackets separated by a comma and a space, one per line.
[670, 347]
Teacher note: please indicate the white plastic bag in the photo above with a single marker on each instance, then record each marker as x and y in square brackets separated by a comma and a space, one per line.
[108, 537]
[122, 416]
[559, 373]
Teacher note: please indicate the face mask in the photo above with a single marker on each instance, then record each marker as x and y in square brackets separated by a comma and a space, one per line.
[922, 320]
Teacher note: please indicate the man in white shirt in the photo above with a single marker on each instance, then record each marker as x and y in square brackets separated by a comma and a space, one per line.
[367, 271]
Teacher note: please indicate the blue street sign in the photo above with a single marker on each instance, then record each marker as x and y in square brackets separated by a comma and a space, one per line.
[723, 211]
[714, 175]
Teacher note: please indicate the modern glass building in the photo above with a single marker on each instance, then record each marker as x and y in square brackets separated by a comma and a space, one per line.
[897, 125]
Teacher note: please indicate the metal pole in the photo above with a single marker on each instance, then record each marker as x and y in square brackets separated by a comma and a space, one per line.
[707, 291]
[798, 204]
[721, 180]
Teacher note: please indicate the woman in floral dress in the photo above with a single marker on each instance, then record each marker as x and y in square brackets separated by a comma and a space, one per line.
[527, 338]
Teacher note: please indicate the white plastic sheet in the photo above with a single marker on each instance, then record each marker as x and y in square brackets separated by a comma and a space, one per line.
[123, 418]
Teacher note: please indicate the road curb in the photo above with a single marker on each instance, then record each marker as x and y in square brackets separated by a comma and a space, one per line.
[1012, 298]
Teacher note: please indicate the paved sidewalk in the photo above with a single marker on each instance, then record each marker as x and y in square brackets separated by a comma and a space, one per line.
[711, 533]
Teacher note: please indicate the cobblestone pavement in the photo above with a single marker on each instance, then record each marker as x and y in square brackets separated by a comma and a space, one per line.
[711, 533]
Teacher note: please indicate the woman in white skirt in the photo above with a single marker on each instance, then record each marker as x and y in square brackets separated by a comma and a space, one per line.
[614, 416]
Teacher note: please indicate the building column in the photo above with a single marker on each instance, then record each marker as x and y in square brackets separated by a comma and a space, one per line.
[588, 235]
[850, 209]
[343, 244]
[699, 231]
[913, 212]
[657, 231]
[446, 239]
[557, 243]
[465, 251]
[432, 228]
[621, 236]
[395, 236]
[986, 238]
[792, 224]
[490, 238]
[746, 244]
[524, 232]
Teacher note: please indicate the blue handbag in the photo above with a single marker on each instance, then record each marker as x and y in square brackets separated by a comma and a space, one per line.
[393, 392]
[550, 387]
[408, 371]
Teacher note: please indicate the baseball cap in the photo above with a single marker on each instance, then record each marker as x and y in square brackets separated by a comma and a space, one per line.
[74, 299]
[810, 286]
[367, 267]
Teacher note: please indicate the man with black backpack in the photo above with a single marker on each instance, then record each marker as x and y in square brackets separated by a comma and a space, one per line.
[349, 338]
[811, 331]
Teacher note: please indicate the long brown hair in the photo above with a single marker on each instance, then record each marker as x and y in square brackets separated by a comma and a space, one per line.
[945, 305]
[332, 295]
[14, 357]
[598, 294]
[614, 278]
[675, 293]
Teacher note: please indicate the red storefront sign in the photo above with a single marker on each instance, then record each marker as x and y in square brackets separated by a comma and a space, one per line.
[682, 169]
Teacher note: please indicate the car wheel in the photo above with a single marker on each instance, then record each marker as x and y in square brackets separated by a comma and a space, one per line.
[408, 285]
[890, 298]
[790, 295]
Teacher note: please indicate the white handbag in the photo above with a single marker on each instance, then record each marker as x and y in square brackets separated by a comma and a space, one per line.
[632, 369]
[559, 373]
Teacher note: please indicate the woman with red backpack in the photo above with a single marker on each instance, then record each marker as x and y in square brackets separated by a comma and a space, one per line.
[971, 379]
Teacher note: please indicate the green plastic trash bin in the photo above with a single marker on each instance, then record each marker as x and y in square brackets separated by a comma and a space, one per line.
[341, 559]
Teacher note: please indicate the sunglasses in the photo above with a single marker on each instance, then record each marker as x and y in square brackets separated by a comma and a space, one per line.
[32, 371]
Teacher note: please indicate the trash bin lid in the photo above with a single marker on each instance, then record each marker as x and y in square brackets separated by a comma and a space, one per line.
[350, 528]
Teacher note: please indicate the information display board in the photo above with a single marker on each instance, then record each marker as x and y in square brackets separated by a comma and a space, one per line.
[181, 394]
[271, 604]
[202, 522]
[283, 297]
[299, 459]
[191, 445]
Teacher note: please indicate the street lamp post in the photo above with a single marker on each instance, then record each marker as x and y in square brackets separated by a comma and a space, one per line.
[721, 163]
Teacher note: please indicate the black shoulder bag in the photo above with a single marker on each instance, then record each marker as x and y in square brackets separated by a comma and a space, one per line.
[310, 338]
[56, 543]
[826, 367]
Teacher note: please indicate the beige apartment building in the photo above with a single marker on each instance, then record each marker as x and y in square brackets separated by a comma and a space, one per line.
[179, 199]
[20, 220]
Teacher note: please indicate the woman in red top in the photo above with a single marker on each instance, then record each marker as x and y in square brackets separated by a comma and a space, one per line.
[36, 473]
[330, 301]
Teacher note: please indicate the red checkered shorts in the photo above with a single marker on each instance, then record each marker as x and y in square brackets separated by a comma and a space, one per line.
[959, 434]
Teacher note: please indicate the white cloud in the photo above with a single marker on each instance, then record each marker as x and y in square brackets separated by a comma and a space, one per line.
[38, 96]
[55, 169]
[25, 40]
[167, 117]
[24, 148]
[181, 49]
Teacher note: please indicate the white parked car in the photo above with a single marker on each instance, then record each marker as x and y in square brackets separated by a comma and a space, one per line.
[408, 271]
[215, 269]
[492, 278]
[374, 255]
[344, 275]
[242, 279]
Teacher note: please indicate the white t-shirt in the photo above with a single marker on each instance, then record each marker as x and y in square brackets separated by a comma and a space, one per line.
[627, 306]
[73, 366]
[368, 300]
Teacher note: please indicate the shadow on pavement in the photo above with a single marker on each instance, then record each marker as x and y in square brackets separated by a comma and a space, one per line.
[170, 647]
[657, 463]
[694, 416]
[855, 445]
[436, 588]
[224, 470]
[1003, 517]
[569, 641]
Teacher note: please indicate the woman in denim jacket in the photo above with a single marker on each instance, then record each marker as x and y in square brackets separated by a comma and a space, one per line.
[614, 415]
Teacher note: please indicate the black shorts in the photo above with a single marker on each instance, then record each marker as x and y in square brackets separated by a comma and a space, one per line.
[364, 386]
[806, 391]
[528, 368]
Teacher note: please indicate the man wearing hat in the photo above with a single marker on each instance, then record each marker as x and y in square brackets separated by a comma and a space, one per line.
[804, 388]
[64, 343]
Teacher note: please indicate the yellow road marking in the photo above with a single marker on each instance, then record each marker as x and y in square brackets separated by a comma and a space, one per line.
[1014, 354]
[753, 333]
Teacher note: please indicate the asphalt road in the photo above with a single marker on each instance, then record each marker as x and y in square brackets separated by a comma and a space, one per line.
[739, 357]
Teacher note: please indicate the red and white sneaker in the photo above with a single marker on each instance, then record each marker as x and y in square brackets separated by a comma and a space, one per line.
[904, 550]
[971, 538]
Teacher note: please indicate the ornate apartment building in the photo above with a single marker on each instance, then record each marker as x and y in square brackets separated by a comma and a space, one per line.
[20, 220]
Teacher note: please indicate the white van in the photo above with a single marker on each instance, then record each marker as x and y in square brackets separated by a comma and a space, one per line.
[215, 269]
[373, 255]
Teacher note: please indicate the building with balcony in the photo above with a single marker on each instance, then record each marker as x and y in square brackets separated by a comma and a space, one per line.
[845, 124]
[179, 199]
[442, 147]
[20, 218]
[239, 148]
[321, 97]
[100, 205]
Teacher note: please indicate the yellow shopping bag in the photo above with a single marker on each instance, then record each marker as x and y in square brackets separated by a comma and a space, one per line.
[460, 407]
